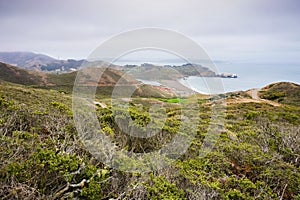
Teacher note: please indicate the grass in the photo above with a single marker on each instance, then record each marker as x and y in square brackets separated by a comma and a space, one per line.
[173, 100]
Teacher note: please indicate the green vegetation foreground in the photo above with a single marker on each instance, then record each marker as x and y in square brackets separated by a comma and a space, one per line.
[256, 157]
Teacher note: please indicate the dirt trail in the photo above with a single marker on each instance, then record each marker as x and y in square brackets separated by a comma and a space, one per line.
[254, 98]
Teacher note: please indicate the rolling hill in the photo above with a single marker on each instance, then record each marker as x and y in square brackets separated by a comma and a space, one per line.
[39, 62]
[27, 60]
[17, 75]
[283, 92]
[65, 81]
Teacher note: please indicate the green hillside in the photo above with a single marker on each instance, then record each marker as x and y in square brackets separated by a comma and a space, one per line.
[284, 92]
[41, 156]
[16, 75]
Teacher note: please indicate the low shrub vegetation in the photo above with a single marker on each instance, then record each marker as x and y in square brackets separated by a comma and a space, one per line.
[256, 156]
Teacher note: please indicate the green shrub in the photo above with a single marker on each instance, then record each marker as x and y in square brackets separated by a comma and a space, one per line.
[62, 107]
[273, 95]
[160, 189]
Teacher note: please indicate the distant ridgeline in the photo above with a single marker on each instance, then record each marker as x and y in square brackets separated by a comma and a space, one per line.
[40, 62]
[168, 72]
[64, 82]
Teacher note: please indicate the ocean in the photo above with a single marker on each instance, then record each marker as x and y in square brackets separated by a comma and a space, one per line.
[249, 76]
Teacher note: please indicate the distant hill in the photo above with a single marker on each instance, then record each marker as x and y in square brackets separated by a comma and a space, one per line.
[27, 60]
[65, 81]
[17, 75]
[283, 92]
[39, 62]
[167, 72]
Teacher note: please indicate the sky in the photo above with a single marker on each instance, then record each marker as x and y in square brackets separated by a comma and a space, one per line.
[262, 31]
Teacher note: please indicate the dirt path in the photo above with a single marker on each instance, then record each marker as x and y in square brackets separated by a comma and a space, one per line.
[254, 98]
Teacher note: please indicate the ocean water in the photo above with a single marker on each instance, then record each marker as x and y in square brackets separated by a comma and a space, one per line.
[249, 76]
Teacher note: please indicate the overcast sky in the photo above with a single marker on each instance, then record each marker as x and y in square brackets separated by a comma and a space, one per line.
[230, 30]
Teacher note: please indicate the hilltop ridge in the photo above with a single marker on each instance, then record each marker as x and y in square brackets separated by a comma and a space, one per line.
[41, 62]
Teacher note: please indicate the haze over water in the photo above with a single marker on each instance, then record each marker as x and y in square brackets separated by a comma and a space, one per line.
[249, 76]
